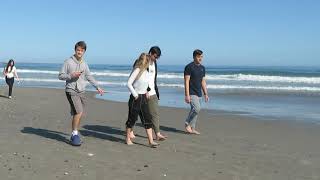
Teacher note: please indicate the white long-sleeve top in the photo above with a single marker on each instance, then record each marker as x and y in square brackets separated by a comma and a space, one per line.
[138, 86]
[11, 73]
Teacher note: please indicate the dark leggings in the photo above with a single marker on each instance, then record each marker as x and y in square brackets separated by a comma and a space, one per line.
[137, 108]
[10, 82]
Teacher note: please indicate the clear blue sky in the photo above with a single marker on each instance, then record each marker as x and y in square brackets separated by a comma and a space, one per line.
[238, 32]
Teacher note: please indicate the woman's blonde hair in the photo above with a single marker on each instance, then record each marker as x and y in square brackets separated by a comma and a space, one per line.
[142, 63]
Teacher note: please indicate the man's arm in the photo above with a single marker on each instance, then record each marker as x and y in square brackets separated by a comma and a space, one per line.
[92, 81]
[90, 78]
[63, 75]
[186, 88]
[204, 89]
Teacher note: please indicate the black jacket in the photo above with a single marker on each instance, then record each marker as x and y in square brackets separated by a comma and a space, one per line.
[155, 80]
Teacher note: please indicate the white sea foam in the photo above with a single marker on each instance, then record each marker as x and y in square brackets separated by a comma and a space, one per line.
[41, 80]
[263, 78]
[209, 86]
[37, 71]
[211, 77]
[274, 88]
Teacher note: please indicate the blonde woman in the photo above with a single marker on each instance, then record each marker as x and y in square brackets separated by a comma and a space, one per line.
[138, 85]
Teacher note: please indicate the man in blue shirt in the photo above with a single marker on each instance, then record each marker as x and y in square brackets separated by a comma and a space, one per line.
[194, 82]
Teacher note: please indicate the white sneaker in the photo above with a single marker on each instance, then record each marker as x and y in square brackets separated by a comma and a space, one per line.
[10, 97]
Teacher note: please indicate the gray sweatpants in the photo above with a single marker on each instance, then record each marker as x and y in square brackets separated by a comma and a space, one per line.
[194, 111]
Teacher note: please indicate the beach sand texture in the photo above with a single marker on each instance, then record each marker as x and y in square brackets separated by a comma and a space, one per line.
[35, 129]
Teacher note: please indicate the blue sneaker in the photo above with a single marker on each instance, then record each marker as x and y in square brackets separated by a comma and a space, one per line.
[75, 140]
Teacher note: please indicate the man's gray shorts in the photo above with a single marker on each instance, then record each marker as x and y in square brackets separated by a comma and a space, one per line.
[77, 102]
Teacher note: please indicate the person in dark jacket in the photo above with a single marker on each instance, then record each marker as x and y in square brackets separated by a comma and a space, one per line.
[152, 94]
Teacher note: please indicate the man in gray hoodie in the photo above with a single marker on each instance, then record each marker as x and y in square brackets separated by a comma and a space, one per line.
[76, 73]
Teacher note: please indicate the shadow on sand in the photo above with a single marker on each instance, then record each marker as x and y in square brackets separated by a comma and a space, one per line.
[59, 136]
[103, 132]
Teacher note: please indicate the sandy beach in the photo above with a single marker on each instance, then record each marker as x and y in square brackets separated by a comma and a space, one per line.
[35, 129]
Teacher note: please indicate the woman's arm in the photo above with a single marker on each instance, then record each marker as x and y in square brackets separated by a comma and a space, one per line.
[4, 71]
[131, 80]
[16, 74]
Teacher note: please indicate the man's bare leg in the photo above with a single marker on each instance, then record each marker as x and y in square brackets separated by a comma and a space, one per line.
[76, 121]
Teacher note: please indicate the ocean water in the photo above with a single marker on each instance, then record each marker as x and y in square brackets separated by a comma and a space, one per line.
[292, 93]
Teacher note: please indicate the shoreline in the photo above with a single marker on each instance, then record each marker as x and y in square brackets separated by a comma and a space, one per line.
[245, 114]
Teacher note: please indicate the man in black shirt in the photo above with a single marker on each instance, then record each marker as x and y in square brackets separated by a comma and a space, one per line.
[194, 82]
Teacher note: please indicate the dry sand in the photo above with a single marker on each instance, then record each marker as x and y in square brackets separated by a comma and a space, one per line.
[35, 128]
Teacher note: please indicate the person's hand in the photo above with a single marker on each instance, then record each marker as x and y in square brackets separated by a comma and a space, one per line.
[206, 98]
[76, 74]
[187, 99]
[100, 91]
[136, 98]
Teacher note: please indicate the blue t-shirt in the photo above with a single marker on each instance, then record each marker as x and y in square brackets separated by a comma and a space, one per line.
[196, 73]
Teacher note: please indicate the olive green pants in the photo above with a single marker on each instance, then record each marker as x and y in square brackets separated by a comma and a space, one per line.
[154, 112]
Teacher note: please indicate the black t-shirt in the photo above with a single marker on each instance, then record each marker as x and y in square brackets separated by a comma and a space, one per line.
[196, 73]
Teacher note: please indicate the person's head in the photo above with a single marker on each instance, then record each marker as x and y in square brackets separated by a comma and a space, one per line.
[142, 63]
[80, 48]
[197, 56]
[10, 64]
[155, 53]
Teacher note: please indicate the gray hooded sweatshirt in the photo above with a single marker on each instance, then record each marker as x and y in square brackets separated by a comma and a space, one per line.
[76, 85]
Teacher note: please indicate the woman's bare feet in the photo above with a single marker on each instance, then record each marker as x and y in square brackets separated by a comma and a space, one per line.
[128, 141]
[129, 132]
[132, 136]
